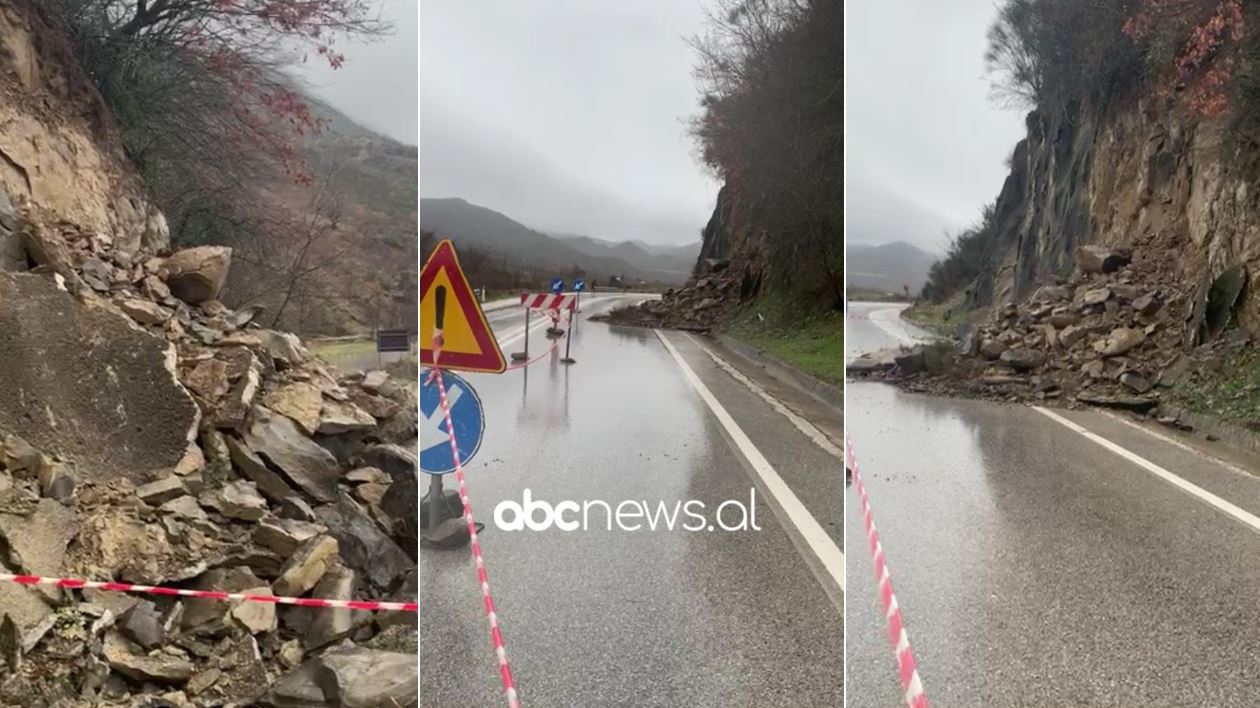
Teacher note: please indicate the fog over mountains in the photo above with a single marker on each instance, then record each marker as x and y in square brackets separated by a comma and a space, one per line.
[527, 248]
[887, 266]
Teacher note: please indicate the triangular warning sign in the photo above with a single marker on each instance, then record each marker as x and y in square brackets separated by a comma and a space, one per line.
[446, 298]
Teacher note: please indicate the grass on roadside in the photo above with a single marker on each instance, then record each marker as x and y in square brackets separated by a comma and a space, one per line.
[338, 351]
[1230, 390]
[872, 295]
[404, 369]
[942, 318]
[342, 348]
[813, 343]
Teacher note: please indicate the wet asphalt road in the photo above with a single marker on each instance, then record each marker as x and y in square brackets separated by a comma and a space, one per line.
[1035, 567]
[633, 618]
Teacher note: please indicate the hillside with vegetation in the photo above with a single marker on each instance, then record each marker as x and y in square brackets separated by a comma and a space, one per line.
[319, 210]
[771, 129]
[349, 265]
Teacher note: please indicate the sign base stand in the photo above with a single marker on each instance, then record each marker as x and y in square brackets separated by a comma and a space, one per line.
[567, 360]
[452, 533]
[442, 527]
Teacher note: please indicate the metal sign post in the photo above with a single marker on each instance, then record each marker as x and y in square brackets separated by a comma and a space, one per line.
[557, 287]
[568, 342]
[520, 356]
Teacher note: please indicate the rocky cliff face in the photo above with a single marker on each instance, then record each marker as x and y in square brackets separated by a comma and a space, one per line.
[731, 268]
[58, 147]
[1120, 177]
[1125, 243]
[729, 246]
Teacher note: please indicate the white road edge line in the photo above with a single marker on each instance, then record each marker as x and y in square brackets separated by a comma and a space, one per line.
[1239, 514]
[1205, 456]
[821, 553]
[819, 437]
[905, 335]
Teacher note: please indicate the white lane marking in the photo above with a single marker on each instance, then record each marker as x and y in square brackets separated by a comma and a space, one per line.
[819, 437]
[809, 536]
[541, 319]
[519, 332]
[902, 332]
[1206, 457]
[1239, 514]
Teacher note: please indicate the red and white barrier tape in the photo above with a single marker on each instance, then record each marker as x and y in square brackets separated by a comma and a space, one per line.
[907, 669]
[549, 301]
[496, 636]
[555, 343]
[75, 584]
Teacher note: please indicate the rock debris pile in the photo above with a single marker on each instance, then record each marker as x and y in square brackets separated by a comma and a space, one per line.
[1117, 334]
[695, 307]
[151, 435]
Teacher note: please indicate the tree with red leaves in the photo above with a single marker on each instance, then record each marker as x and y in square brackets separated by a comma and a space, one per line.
[200, 90]
[1193, 46]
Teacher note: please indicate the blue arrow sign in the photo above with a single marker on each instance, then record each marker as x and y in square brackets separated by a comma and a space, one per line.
[557, 285]
[466, 414]
[579, 285]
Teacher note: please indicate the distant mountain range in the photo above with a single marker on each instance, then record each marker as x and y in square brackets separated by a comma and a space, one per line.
[526, 248]
[887, 267]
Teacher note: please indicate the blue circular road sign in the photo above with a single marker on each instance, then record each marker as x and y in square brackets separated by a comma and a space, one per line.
[579, 285]
[557, 285]
[467, 415]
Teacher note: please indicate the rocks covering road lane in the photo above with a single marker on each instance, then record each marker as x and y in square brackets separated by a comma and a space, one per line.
[1119, 333]
[695, 307]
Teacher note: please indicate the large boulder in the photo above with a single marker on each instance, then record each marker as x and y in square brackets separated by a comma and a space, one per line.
[1101, 259]
[277, 440]
[1120, 341]
[197, 274]
[81, 382]
[1023, 358]
[363, 545]
[352, 677]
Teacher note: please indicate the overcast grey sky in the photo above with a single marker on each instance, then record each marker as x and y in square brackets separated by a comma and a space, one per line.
[566, 115]
[377, 85]
[926, 148]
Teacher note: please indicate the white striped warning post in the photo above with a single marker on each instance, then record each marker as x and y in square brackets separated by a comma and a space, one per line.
[549, 301]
